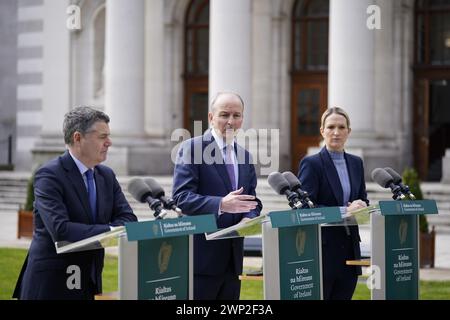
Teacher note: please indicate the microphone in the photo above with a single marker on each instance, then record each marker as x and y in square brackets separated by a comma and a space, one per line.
[281, 186]
[158, 193]
[398, 181]
[384, 179]
[142, 193]
[295, 186]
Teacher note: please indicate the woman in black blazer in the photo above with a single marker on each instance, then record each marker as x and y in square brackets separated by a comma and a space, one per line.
[333, 177]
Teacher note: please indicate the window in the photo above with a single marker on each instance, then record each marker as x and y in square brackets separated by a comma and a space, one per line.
[196, 64]
[310, 35]
[197, 38]
[309, 76]
[431, 87]
[433, 32]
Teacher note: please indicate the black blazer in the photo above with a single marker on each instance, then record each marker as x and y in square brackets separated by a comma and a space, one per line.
[320, 179]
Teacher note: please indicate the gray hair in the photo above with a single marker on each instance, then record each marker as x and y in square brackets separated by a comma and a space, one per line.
[213, 102]
[81, 119]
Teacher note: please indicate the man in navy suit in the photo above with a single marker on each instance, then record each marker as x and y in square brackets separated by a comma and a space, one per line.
[75, 198]
[214, 175]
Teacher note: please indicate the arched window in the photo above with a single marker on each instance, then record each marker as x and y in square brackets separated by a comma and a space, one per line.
[196, 64]
[431, 86]
[309, 74]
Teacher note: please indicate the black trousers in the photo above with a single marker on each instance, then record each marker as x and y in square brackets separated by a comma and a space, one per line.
[339, 279]
[225, 286]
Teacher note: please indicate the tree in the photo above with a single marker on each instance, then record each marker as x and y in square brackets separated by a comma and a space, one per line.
[25, 216]
[411, 178]
[29, 203]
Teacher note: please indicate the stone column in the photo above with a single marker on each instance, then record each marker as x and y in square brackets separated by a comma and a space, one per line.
[363, 63]
[56, 68]
[125, 67]
[351, 63]
[230, 50]
[125, 83]
[158, 110]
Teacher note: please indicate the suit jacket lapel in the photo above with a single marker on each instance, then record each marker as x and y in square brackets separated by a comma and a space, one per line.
[241, 174]
[241, 160]
[351, 177]
[219, 164]
[74, 176]
[333, 177]
[100, 186]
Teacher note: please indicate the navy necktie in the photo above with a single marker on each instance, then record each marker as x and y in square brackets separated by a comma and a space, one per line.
[229, 165]
[91, 193]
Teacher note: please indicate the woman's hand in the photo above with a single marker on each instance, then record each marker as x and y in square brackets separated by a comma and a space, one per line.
[355, 205]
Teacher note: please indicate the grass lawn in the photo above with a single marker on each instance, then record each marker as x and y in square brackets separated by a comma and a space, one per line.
[11, 261]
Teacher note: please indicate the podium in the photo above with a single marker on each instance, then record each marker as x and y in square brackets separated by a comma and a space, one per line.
[292, 253]
[395, 249]
[155, 257]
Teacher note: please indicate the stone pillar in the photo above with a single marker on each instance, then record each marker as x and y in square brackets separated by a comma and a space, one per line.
[56, 81]
[125, 83]
[125, 67]
[230, 50]
[351, 63]
[363, 67]
[158, 110]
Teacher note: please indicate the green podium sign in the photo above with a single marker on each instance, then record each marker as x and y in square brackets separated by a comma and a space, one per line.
[396, 255]
[163, 269]
[164, 228]
[156, 259]
[300, 217]
[401, 251]
[299, 263]
[292, 245]
[393, 208]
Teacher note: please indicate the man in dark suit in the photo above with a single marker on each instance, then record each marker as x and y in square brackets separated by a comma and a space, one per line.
[75, 198]
[214, 175]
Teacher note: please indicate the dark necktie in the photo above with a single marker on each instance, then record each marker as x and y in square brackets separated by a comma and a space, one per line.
[229, 165]
[91, 193]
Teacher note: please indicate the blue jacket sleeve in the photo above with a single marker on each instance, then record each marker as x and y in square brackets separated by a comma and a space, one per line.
[310, 178]
[252, 191]
[362, 191]
[185, 188]
[49, 203]
[122, 211]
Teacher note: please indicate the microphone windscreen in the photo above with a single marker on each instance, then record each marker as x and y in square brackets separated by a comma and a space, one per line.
[382, 177]
[395, 176]
[278, 182]
[157, 190]
[139, 189]
[293, 181]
